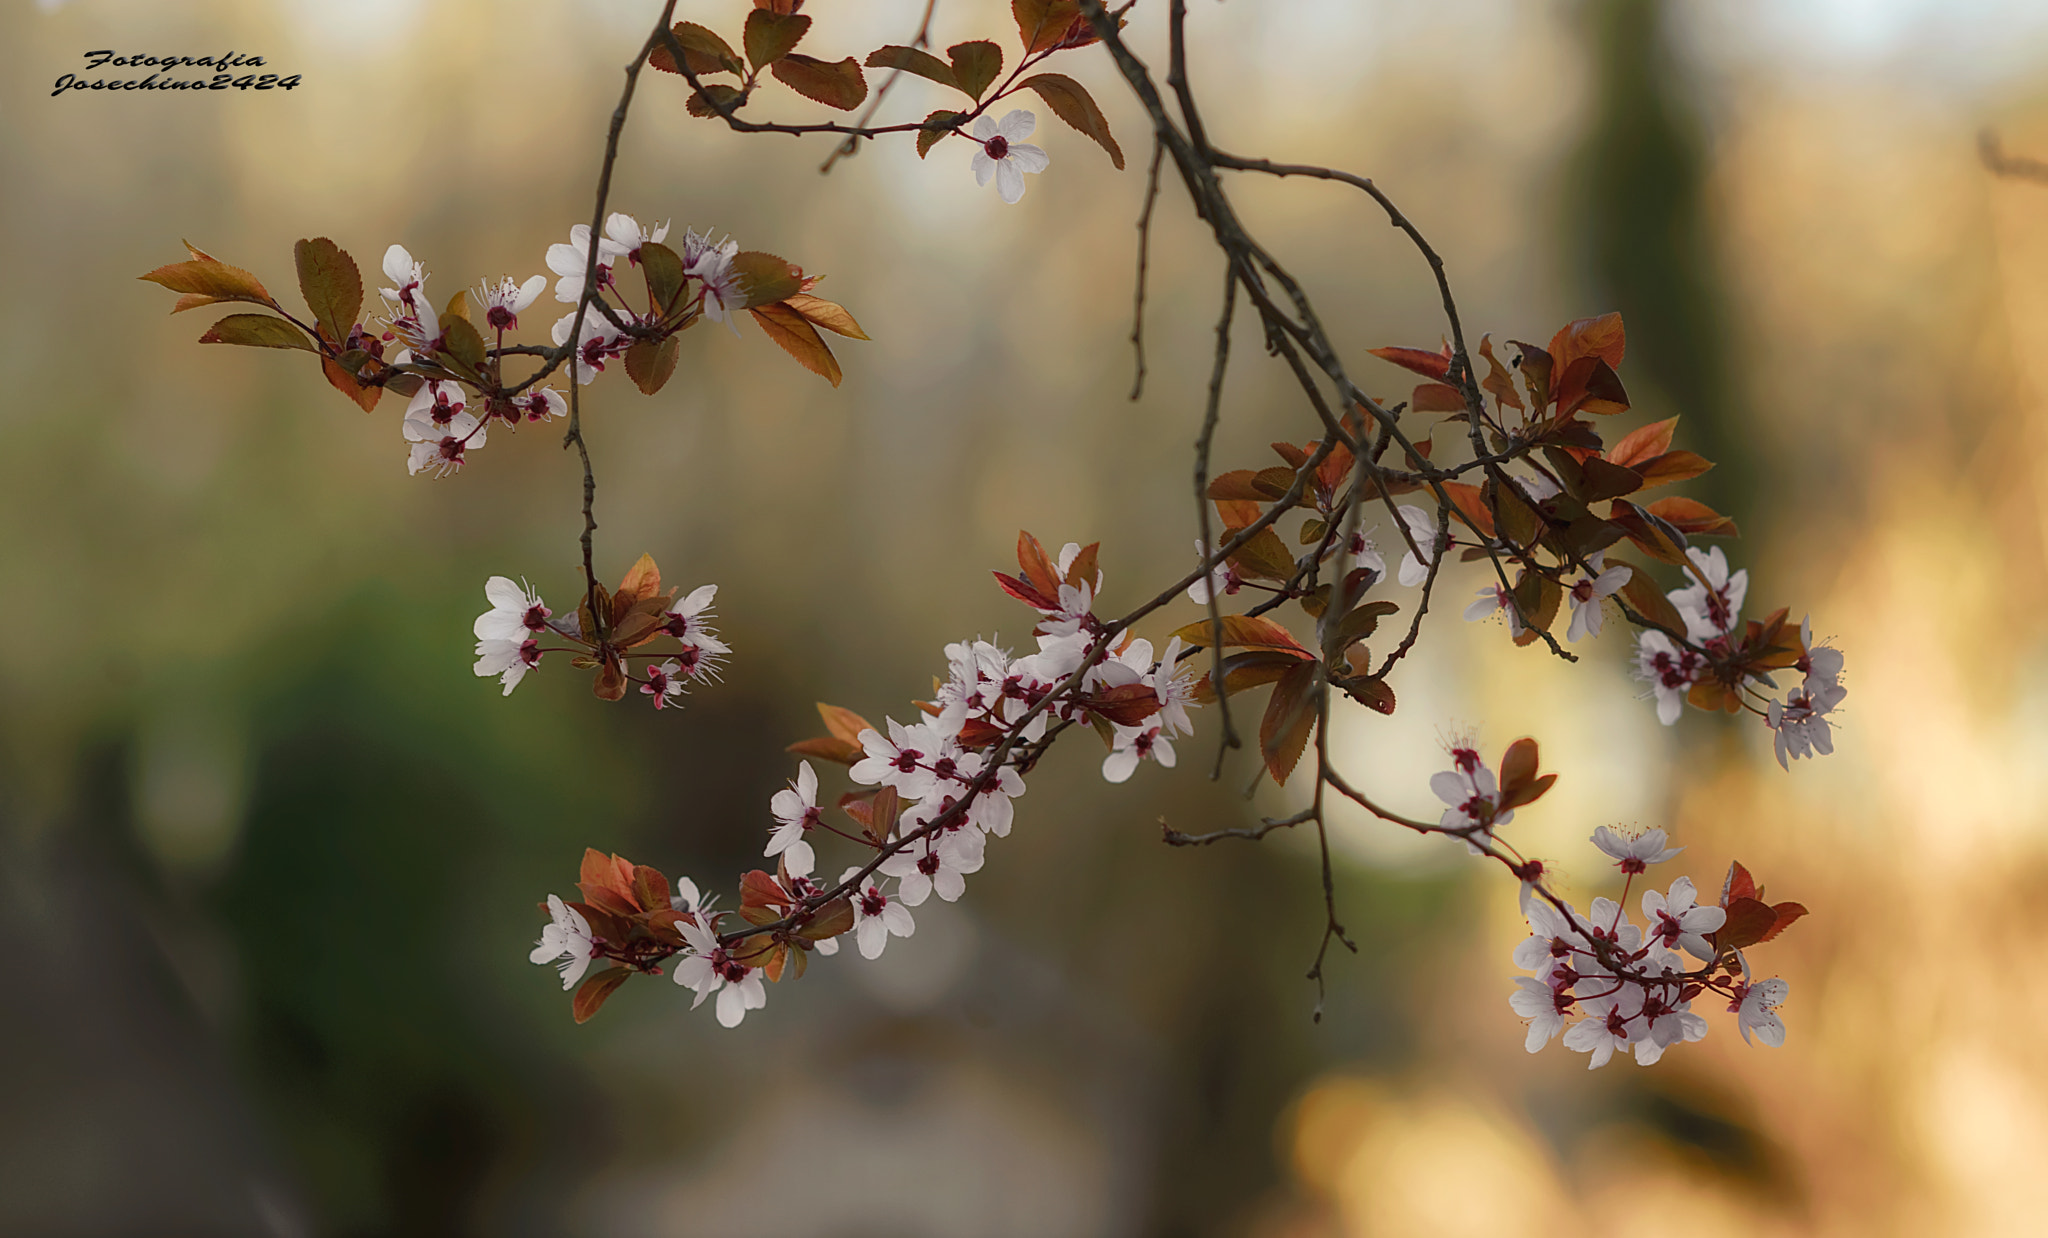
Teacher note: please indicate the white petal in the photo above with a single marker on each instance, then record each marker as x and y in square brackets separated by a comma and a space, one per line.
[1017, 125]
[1029, 158]
[984, 167]
[1009, 181]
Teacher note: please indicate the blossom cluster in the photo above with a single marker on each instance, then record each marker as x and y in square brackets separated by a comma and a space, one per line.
[1628, 987]
[936, 790]
[608, 632]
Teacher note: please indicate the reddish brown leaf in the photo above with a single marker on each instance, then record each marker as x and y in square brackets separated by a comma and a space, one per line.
[1042, 24]
[1673, 466]
[1471, 505]
[831, 920]
[770, 36]
[1748, 921]
[365, 397]
[206, 280]
[1072, 103]
[596, 989]
[1247, 670]
[1786, 914]
[975, 65]
[1243, 631]
[1518, 766]
[1693, 516]
[1436, 398]
[1738, 884]
[835, 84]
[1435, 365]
[1289, 719]
[827, 314]
[1644, 444]
[844, 723]
[1037, 566]
[1601, 337]
[827, 748]
[1649, 601]
[794, 334]
[935, 126]
[1126, 704]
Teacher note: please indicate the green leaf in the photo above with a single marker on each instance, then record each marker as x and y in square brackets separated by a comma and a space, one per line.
[764, 277]
[914, 60]
[664, 272]
[975, 65]
[331, 284]
[649, 363]
[1073, 104]
[835, 84]
[257, 331]
[936, 126]
[769, 35]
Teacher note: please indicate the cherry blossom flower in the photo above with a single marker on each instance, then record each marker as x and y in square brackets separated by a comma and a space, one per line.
[935, 864]
[1669, 669]
[689, 619]
[1711, 606]
[1424, 531]
[1134, 744]
[1676, 921]
[1366, 556]
[1551, 945]
[1664, 1025]
[712, 266]
[1801, 723]
[1004, 154]
[1821, 665]
[598, 342]
[709, 968]
[625, 232]
[503, 303]
[507, 659]
[439, 429]
[1222, 579]
[1633, 853]
[1494, 600]
[541, 404]
[567, 943]
[903, 760]
[1472, 793]
[1611, 1022]
[796, 811]
[1544, 1007]
[516, 611]
[1173, 682]
[409, 298]
[1756, 1009]
[687, 900]
[1589, 590]
[664, 682]
[572, 263]
[877, 917]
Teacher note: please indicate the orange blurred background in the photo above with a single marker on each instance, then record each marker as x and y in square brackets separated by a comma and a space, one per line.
[270, 851]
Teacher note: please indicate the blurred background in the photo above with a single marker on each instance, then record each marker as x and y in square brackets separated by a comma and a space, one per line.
[269, 853]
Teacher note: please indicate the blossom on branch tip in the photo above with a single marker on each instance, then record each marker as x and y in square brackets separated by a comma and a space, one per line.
[516, 611]
[795, 809]
[688, 621]
[1632, 853]
[409, 298]
[1134, 744]
[503, 303]
[713, 267]
[1005, 155]
[598, 342]
[1221, 581]
[1821, 665]
[1494, 600]
[1611, 1022]
[1756, 1009]
[1543, 1006]
[542, 404]
[1594, 585]
[934, 864]
[507, 659]
[566, 943]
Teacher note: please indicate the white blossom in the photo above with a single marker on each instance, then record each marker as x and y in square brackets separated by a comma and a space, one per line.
[1005, 155]
[796, 810]
[566, 943]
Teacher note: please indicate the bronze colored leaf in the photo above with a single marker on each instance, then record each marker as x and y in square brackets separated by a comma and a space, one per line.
[764, 277]
[827, 314]
[1673, 466]
[1693, 516]
[1640, 446]
[935, 126]
[344, 382]
[844, 723]
[331, 284]
[663, 269]
[206, 280]
[831, 920]
[1649, 601]
[705, 51]
[1428, 364]
[715, 99]
[1436, 398]
[827, 748]
[1243, 632]
[1247, 670]
[1374, 694]
[1356, 626]
[1072, 103]
[835, 84]
[596, 989]
[1042, 24]
[915, 60]
[650, 363]
[461, 344]
[1037, 566]
[257, 331]
[769, 36]
[975, 65]
[1601, 337]
[794, 334]
[1290, 718]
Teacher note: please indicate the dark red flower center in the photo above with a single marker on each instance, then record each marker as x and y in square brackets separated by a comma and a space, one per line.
[997, 146]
